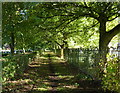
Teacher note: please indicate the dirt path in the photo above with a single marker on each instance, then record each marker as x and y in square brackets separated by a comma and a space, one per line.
[51, 75]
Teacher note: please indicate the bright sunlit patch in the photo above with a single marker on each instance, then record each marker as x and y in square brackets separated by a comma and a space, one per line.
[41, 89]
[44, 63]
[67, 87]
[70, 86]
[43, 57]
[66, 76]
[26, 74]
[46, 83]
[20, 81]
[34, 65]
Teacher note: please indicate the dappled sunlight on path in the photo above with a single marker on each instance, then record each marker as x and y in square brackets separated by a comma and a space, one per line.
[50, 74]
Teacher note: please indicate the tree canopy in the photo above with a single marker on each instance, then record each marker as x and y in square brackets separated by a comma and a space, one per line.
[26, 25]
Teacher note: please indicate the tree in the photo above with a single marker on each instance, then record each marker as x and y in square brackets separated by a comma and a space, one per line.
[55, 17]
[18, 31]
[10, 22]
[102, 12]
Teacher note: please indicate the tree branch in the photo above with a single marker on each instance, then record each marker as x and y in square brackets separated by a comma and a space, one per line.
[113, 18]
[114, 31]
[107, 6]
[88, 27]
[54, 16]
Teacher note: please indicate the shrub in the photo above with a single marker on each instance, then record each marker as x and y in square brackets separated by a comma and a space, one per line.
[14, 66]
[111, 78]
[9, 69]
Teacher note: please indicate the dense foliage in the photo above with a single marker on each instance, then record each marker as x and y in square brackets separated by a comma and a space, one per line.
[111, 78]
[14, 67]
[58, 24]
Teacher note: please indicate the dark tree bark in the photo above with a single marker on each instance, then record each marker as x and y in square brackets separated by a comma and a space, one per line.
[12, 44]
[104, 39]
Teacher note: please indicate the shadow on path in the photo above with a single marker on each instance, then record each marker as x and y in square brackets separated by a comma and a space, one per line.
[50, 74]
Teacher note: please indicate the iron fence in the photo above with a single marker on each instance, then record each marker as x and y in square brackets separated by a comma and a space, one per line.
[86, 60]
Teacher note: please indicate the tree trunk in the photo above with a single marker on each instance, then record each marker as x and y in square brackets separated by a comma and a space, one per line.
[105, 38]
[103, 44]
[23, 50]
[103, 48]
[65, 44]
[12, 43]
[62, 51]
[102, 41]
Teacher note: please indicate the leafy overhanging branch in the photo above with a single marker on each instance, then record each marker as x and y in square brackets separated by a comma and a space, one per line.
[114, 31]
